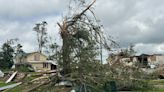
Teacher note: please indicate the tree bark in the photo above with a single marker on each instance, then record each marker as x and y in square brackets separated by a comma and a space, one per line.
[66, 55]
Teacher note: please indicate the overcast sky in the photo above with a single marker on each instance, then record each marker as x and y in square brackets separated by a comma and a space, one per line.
[140, 22]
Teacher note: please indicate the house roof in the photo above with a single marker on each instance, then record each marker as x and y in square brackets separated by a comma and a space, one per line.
[147, 55]
[35, 52]
[52, 62]
[25, 55]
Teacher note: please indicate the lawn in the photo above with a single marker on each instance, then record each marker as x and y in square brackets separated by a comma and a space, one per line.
[161, 90]
[156, 83]
[2, 84]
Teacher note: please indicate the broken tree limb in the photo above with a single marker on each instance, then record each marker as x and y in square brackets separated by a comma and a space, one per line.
[74, 19]
[42, 77]
[11, 78]
[78, 16]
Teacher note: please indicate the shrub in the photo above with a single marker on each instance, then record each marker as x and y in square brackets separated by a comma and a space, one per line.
[23, 68]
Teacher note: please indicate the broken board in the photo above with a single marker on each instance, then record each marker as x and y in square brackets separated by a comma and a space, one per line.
[12, 76]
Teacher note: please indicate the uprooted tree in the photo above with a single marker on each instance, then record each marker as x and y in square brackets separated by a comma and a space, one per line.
[79, 32]
[81, 37]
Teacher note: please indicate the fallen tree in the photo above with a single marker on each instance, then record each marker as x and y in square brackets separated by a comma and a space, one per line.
[82, 38]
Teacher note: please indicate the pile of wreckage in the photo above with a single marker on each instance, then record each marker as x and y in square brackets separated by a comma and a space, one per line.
[14, 78]
[31, 81]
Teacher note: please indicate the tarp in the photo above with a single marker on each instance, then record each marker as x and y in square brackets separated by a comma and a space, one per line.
[1, 74]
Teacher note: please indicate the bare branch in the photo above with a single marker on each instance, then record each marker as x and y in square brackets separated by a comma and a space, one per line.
[78, 16]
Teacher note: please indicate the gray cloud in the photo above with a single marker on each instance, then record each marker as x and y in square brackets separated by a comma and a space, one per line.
[10, 30]
[133, 21]
[149, 48]
[25, 34]
[20, 9]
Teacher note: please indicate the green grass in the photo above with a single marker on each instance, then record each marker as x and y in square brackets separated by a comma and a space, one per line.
[22, 86]
[157, 90]
[161, 90]
[2, 84]
[15, 89]
[159, 82]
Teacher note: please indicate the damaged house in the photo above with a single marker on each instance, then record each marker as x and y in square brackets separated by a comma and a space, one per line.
[36, 60]
[143, 60]
[149, 60]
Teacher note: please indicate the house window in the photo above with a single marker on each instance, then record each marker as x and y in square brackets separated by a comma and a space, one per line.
[45, 65]
[36, 57]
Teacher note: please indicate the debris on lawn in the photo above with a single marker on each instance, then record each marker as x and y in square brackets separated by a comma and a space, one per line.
[64, 83]
[39, 79]
[10, 86]
[19, 77]
[31, 81]
[11, 77]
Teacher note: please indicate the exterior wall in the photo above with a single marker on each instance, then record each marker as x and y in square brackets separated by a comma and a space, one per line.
[39, 66]
[31, 57]
[153, 58]
[36, 60]
[160, 59]
[149, 59]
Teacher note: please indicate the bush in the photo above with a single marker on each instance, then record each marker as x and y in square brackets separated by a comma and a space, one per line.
[23, 68]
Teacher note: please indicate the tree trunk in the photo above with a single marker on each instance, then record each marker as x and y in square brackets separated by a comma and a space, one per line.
[66, 50]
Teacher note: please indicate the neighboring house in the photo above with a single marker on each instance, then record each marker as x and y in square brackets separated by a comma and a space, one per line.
[144, 60]
[157, 59]
[150, 60]
[119, 58]
[37, 60]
